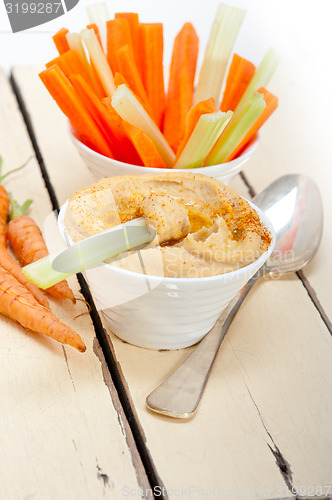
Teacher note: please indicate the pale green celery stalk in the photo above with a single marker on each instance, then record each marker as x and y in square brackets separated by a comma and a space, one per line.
[236, 130]
[42, 273]
[261, 78]
[99, 60]
[206, 133]
[132, 111]
[223, 34]
[98, 14]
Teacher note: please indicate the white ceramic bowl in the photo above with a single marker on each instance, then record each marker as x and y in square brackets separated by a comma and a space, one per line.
[101, 166]
[164, 313]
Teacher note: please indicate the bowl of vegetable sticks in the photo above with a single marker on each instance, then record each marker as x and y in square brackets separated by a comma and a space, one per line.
[125, 120]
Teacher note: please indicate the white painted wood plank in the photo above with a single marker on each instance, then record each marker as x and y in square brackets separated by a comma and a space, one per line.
[63, 433]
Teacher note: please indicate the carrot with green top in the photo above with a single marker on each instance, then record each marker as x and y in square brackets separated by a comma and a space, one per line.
[181, 85]
[144, 146]
[118, 35]
[201, 108]
[70, 104]
[28, 244]
[6, 260]
[18, 304]
[133, 21]
[106, 120]
[151, 42]
[60, 40]
[271, 105]
[239, 75]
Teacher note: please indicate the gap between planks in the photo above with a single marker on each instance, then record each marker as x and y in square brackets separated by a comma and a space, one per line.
[108, 353]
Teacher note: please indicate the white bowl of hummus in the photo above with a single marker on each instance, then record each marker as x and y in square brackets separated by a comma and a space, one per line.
[209, 242]
[101, 166]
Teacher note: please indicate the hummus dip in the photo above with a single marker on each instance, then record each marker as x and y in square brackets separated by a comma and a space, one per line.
[203, 228]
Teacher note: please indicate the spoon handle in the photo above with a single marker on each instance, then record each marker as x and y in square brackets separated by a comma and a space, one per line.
[179, 395]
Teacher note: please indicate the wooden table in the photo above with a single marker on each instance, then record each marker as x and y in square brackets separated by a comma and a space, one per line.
[76, 426]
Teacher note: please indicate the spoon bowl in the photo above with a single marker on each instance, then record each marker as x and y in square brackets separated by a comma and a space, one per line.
[293, 205]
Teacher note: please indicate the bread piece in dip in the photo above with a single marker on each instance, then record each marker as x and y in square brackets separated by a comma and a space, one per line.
[203, 227]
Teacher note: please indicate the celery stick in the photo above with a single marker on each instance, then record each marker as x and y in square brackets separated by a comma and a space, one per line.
[98, 14]
[42, 273]
[206, 133]
[224, 31]
[132, 111]
[261, 78]
[98, 58]
[236, 130]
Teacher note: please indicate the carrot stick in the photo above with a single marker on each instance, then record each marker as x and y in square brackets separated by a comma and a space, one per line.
[271, 104]
[60, 40]
[151, 49]
[17, 303]
[95, 28]
[118, 35]
[69, 63]
[127, 67]
[239, 75]
[201, 108]
[28, 244]
[181, 84]
[120, 80]
[145, 146]
[67, 99]
[106, 121]
[133, 21]
[128, 152]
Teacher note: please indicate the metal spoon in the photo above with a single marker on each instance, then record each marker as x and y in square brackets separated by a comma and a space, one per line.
[294, 206]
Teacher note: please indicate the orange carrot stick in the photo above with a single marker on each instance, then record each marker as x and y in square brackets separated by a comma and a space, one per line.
[128, 152]
[69, 63]
[151, 49]
[120, 80]
[127, 67]
[239, 75]
[271, 104]
[118, 35]
[107, 120]
[17, 303]
[201, 108]
[28, 244]
[133, 21]
[181, 84]
[95, 28]
[67, 99]
[60, 41]
[144, 146]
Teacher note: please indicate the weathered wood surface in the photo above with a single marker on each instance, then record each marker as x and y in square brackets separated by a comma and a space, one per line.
[63, 431]
[264, 424]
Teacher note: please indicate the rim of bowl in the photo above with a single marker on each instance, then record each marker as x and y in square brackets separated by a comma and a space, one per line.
[227, 168]
[262, 258]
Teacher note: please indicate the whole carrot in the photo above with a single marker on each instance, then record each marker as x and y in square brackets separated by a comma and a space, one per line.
[17, 303]
[28, 244]
[6, 260]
